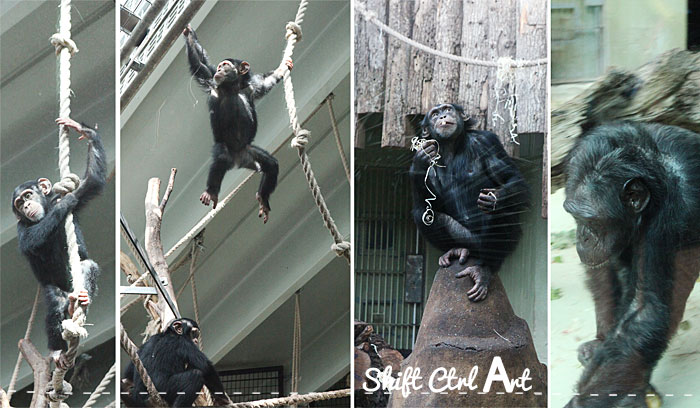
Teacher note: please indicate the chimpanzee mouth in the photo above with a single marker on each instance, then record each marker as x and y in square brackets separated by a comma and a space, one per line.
[446, 124]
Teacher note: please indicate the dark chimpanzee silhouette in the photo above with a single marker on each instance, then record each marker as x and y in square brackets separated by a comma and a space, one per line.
[41, 216]
[176, 366]
[634, 190]
[233, 90]
[479, 194]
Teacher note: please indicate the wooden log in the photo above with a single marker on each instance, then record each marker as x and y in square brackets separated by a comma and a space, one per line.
[42, 375]
[370, 60]
[475, 90]
[531, 82]
[128, 267]
[446, 77]
[395, 126]
[456, 332]
[666, 90]
[420, 75]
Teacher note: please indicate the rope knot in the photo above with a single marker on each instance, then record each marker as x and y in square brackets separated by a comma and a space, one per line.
[341, 248]
[55, 396]
[301, 139]
[293, 28]
[61, 41]
[67, 184]
[73, 328]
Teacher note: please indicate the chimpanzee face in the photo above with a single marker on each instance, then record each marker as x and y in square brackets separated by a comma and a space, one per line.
[29, 200]
[230, 70]
[443, 121]
[186, 327]
[605, 218]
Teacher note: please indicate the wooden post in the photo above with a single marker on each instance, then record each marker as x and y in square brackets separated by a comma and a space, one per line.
[42, 375]
[370, 60]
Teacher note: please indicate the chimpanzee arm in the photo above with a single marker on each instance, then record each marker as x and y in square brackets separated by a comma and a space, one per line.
[200, 67]
[31, 238]
[96, 171]
[261, 84]
[513, 194]
[198, 360]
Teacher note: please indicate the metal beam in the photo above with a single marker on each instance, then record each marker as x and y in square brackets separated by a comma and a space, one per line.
[140, 29]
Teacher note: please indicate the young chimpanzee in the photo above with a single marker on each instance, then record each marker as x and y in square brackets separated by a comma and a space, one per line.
[634, 190]
[176, 366]
[478, 195]
[233, 90]
[41, 216]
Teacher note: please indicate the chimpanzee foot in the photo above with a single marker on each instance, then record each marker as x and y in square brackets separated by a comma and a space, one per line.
[586, 351]
[206, 198]
[481, 275]
[264, 211]
[59, 358]
[460, 253]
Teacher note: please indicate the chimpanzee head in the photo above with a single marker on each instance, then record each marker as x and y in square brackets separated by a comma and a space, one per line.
[613, 189]
[444, 121]
[231, 71]
[185, 327]
[29, 200]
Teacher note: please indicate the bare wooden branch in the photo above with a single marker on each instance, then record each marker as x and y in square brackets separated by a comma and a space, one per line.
[665, 90]
[129, 268]
[4, 399]
[169, 189]
[154, 246]
[42, 376]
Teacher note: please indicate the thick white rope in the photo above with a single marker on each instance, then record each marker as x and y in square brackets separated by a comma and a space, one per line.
[293, 399]
[301, 136]
[15, 373]
[73, 328]
[101, 387]
[510, 62]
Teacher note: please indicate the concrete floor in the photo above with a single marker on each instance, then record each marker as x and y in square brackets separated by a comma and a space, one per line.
[677, 377]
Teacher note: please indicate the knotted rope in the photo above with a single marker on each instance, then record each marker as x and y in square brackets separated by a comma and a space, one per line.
[301, 136]
[72, 328]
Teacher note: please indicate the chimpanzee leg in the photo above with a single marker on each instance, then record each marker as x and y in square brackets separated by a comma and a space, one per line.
[91, 271]
[183, 388]
[56, 311]
[222, 162]
[259, 160]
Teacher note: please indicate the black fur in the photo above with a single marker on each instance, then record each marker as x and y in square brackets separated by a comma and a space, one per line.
[175, 364]
[43, 243]
[630, 248]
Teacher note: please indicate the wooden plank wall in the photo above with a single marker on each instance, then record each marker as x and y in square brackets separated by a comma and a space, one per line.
[398, 80]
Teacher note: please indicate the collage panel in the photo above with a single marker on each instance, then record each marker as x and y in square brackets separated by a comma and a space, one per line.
[624, 205]
[259, 286]
[44, 270]
[450, 203]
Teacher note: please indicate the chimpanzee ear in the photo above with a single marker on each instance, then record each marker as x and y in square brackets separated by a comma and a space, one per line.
[245, 67]
[177, 326]
[44, 185]
[635, 194]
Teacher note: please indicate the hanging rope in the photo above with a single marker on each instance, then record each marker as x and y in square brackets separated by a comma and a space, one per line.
[507, 61]
[196, 249]
[293, 399]
[13, 381]
[296, 345]
[336, 133]
[130, 348]
[301, 137]
[72, 328]
[101, 387]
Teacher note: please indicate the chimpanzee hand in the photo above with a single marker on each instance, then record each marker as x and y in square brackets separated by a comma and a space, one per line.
[71, 124]
[586, 351]
[488, 199]
[289, 63]
[428, 152]
[446, 259]
[186, 32]
[481, 275]
[207, 197]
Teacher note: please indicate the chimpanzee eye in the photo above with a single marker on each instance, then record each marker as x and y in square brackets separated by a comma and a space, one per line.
[27, 195]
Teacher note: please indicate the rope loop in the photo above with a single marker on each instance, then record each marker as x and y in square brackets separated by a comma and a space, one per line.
[301, 139]
[61, 41]
[341, 248]
[73, 328]
[293, 28]
[55, 396]
[68, 184]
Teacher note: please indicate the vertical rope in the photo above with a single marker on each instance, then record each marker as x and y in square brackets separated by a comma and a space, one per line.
[296, 345]
[130, 348]
[13, 381]
[301, 137]
[195, 303]
[101, 387]
[336, 133]
[72, 328]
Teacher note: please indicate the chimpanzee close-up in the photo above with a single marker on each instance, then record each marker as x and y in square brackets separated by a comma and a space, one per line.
[41, 215]
[233, 89]
[478, 194]
[176, 366]
[634, 191]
